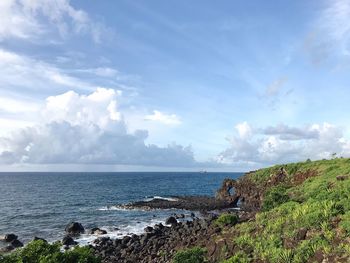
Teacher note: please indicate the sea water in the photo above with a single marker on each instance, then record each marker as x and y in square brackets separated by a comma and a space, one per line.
[42, 204]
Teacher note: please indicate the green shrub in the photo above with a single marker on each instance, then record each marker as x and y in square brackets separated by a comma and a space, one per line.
[42, 252]
[193, 255]
[274, 197]
[227, 220]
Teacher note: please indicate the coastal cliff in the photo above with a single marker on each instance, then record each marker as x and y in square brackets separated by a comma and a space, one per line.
[297, 212]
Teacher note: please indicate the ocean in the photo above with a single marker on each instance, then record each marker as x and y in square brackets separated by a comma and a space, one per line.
[42, 204]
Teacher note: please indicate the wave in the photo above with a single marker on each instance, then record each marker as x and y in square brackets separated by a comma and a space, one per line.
[113, 232]
[111, 208]
[170, 199]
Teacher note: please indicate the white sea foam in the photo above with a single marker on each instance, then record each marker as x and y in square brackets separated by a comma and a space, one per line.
[112, 207]
[120, 231]
[171, 199]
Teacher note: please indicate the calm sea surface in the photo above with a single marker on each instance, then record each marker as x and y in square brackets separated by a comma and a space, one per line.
[41, 204]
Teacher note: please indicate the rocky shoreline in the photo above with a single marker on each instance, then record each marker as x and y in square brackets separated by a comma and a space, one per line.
[160, 242]
[191, 203]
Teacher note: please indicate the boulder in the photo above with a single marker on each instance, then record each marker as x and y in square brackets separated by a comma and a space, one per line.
[97, 231]
[16, 243]
[74, 228]
[171, 221]
[10, 237]
[68, 241]
[148, 229]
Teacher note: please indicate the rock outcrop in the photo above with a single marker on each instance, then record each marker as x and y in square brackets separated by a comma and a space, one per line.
[193, 203]
[74, 228]
[247, 193]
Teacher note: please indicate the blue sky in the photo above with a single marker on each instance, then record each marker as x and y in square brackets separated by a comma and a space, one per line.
[172, 85]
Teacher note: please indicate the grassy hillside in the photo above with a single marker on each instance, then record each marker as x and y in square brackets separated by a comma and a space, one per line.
[304, 218]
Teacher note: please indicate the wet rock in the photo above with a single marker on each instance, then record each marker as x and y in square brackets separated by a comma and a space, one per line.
[148, 229]
[68, 241]
[159, 226]
[16, 243]
[125, 240]
[205, 203]
[97, 231]
[10, 237]
[171, 221]
[74, 228]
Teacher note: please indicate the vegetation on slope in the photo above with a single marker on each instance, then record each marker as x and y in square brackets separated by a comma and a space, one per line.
[305, 218]
[42, 252]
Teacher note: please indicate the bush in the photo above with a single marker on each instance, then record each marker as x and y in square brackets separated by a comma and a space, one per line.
[274, 197]
[227, 220]
[193, 255]
[42, 252]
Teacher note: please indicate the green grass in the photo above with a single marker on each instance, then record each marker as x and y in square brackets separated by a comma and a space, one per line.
[321, 205]
[192, 255]
[42, 252]
[226, 220]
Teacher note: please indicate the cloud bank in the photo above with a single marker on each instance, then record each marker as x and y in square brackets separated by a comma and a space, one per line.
[87, 129]
[256, 147]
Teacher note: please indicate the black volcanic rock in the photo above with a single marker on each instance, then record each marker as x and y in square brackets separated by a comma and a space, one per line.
[97, 231]
[16, 243]
[68, 241]
[10, 237]
[193, 203]
[171, 221]
[74, 228]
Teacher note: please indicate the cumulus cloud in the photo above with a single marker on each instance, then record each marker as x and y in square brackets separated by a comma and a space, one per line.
[87, 129]
[28, 19]
[282, 144]
[167, 119]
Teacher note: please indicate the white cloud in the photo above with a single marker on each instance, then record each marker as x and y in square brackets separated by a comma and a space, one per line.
[167, 119]
[286, 132]
[29, 19]
[283, 144]
[14, 106]
[99, 108]
[87, 129]
[23, 74]
[244, 130]
[330, 35]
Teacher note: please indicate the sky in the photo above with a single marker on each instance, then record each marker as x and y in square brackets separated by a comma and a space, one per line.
[153, 85]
